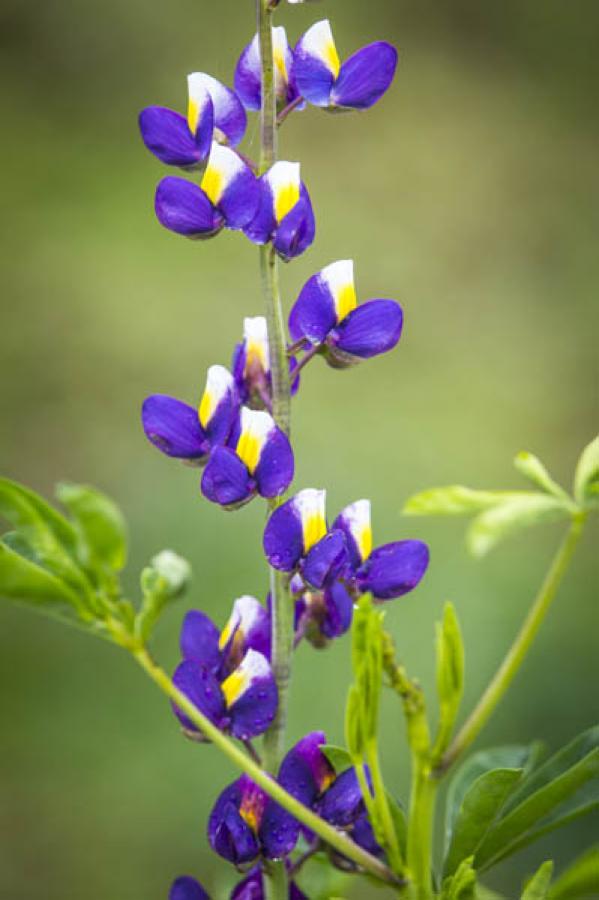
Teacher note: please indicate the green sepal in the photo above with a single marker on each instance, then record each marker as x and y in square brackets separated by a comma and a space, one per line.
[462, 884]
[101, 529]
[586, 478]
[338, 757]
[522, 511]
[538, 886]
[580, 881]
[450, 676]
[163, 581]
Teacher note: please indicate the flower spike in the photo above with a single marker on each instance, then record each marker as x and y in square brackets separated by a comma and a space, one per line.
[327, 315]
[228, 197]
[358, 83]
[214, 112]
[257, 460]
[180, 431]
[285, 215]
[247, 80]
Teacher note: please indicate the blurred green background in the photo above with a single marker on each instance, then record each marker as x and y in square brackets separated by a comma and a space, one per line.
[471, 194]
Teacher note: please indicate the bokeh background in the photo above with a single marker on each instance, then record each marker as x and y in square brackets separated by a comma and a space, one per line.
[471, 194]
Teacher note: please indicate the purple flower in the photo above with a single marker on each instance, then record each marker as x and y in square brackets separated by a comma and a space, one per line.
[285, 214]
[326, 314]
[258, 459]
[214, 113]
[252, 888]
[251, 366]
[307, 775]
[184, 432]
[228, 197]
[296, 540]
[357, 84]
[386, 572]
[248, 82]
[227, 675]
[187, 888]
[245, 824]
[321, 616]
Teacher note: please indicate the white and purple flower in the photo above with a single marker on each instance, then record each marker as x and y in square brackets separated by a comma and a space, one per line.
[285, 215]
[248, 80]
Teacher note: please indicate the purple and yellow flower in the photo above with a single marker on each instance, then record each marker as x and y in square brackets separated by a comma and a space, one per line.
[296, 539]
[184, 432]
[386, 572]
[251, 365]
[326, 315]
[187, 888]
[358, 83]
[248, 79]
[258, 459]
[252, 887]
[227, 674]
[228, 197]
[245, 824]
[214, 112]
[321, 616]
[285, 214]
[335, 796]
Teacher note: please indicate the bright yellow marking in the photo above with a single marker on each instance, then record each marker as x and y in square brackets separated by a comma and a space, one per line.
[193, 115]
[364, 541]
[327, 780]
[314, 528]
[212, 184]
[332, 58]
[280, 66]
[255, 353]
[206, 408]
[248, 450]
[233, 686]
[285, 200]
[226, 634]
[251, 810]
[345, 301]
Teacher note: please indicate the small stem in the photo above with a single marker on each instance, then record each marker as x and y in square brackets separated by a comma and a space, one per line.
[292, 349]
[382, 806]
[281, 654]
[519, 649]
[277, 344]
[310, 354]
[252, 752]
[303, 814]
[288, 109]
[303, 859]
[420, 828]
[268, 109]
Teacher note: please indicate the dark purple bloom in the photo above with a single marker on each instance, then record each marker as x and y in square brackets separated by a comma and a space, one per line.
[251, 366]
[258, 459]
[248, 74]
[296, 539]
[386, 572]
[181, 431]
[357, 84]
[187, 888]
[284, 215]
[214, 112]
[326, 315]
[227, 675]
[246, 824]
[252, 888]
[321, 616]
[228, 197]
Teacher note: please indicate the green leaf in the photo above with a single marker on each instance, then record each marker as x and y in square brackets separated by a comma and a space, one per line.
[538, 886]
[553, 784]
[338, 757]
[400, 823]
[532, 468]
[354, 737]
[480, 808]
[586, 478]
[21, 579]
[462, 884]
[510, 756]
[454, 500]
[450, 676]
[527, 509]
[580, 881]
[100, 525]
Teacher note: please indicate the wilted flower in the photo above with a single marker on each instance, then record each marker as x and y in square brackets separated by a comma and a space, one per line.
[386, 572]
[181, 431]
[246, 824]
[296, 540]
[258, 459]
[321, 615]
[227, 675]
[214, 113]
[248, 79]
[326, 314]
[285, 214]
[357, 84]
[251, 365]
[228, 197]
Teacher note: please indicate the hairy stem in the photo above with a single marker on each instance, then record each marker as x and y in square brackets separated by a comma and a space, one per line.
[519, 649]
[303, 814]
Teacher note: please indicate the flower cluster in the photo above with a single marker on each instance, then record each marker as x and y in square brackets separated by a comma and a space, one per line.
[232, 434]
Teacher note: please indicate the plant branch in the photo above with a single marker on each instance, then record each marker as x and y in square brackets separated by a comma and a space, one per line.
[519, 649]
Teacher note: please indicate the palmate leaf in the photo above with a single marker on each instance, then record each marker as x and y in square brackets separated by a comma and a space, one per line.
[538, 886]
[580, 881]
[529, 508]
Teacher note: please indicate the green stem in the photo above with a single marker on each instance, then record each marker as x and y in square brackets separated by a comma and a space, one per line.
[420, 829]
[519, 649]
[282, 650]
[337, 839]
[382, 807]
